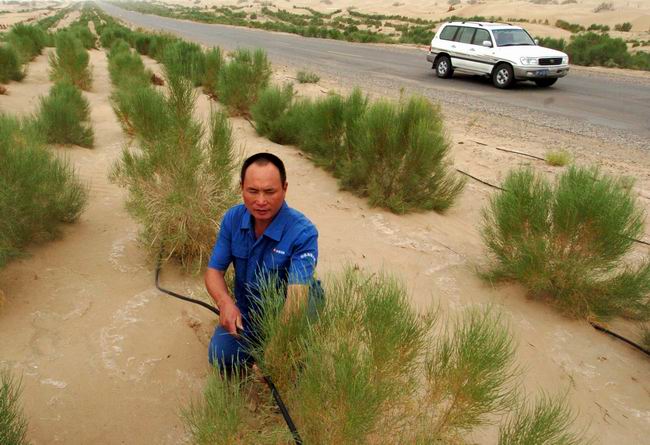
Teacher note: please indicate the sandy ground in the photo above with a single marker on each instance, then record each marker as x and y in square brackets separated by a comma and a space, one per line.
[24, 12]
[107, 359]
[637, 12]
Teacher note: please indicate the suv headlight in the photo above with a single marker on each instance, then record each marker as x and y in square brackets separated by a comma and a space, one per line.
[565, 60]
[528, 60]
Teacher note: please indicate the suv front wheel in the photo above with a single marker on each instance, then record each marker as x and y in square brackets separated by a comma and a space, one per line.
[503, 76]
[443, 67]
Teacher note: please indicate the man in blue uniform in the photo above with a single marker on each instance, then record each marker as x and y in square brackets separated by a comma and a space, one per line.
[261, 237]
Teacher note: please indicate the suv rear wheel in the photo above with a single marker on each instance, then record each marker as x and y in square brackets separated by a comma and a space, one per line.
[503, 76]
[545, 82]
[443, 67]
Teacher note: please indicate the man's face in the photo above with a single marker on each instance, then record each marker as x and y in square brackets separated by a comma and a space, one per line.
[263, 191]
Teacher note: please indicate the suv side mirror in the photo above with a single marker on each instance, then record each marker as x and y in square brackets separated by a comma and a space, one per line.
[487, 43]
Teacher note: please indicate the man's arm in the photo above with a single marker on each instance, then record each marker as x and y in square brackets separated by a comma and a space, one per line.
[230, 317]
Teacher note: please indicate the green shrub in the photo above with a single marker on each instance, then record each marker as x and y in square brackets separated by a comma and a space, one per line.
[84, 35]
[548, 421]
[402, 160]
[142, 43]
[223, 417]
[9, 64]
[158, 44]
[38, 191]
[64, 116]
[390, 364]
[558, 158]
[571, 27]
[598, 49]
[597, 27]
[624, 27]
[125, 66]
[307, 77]
[13, 425]
[213, 64]
[28, 41]
[640, 61]
[269, 114]
[113, 32]
[179, 184]
[567, 242]
[242, 79]
[141, 111]
[117, 47]
[550, 42]
[185, 59]
[70, 63]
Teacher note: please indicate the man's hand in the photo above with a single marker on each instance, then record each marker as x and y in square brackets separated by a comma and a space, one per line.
[230, 318]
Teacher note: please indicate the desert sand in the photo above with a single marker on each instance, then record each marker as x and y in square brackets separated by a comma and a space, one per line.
[107, 359]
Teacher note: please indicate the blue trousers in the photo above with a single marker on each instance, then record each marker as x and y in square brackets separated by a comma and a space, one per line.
[229, 351]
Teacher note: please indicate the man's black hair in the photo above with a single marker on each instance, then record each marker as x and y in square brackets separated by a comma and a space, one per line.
[264, 158]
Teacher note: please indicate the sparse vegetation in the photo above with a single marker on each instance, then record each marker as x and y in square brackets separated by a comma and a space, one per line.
[242, 79]
[567, 242]
[70, 63]
[179, 184]
[38, 191]
[307, 77]
[558, 158]
[623, 27]
[13, 425]
[571, 27]
[64, 116]
[604, 6]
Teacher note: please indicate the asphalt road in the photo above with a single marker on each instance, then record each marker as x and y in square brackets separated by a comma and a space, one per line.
[589, 104]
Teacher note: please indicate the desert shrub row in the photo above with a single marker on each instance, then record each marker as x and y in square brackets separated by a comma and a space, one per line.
[180, 182]
[366, 368]
[594, 49]
[396, 154]
[21, 44]
[38, 191]
[70, 62]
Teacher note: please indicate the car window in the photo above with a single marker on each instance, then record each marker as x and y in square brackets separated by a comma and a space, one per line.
[512, 37]
[448, 33]
[465, 35]
[480, 36]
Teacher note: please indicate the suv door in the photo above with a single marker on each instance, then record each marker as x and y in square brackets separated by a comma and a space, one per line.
[460, 49]
[482, 57]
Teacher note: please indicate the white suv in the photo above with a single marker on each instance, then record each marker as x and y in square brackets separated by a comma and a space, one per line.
[504, 52]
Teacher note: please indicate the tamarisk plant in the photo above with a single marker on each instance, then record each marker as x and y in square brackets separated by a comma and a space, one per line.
[567, 241]
[64, 116]
[364, 367]
[70, 62]
[179, 182]
[242, 79]
[13, 425]
[38, 191]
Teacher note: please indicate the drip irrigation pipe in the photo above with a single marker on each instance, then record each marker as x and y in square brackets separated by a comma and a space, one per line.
[620, 337]
[274, 391]
[480, 180]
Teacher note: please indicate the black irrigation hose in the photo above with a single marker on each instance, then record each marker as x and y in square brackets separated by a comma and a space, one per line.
[274, 391]
[620, 337]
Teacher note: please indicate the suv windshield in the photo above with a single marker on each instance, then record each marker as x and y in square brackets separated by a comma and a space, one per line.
[512, 37]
